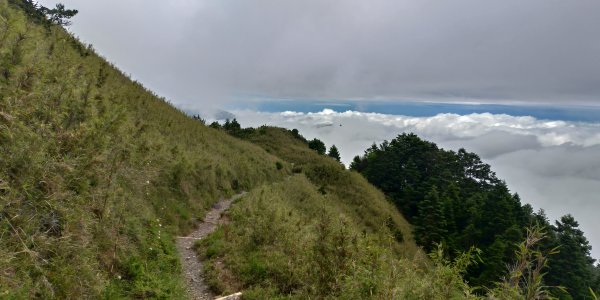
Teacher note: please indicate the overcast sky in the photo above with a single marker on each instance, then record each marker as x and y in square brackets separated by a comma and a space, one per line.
[200, 52]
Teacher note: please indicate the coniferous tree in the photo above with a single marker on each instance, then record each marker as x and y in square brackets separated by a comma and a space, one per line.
[334, 153]
[571, 267]
[430, 227]
[478, 208]
[59, 15]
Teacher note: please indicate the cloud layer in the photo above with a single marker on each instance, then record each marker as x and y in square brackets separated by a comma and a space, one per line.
[554, 165]
[196, 52]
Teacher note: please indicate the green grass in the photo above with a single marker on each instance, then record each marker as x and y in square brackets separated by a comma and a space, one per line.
[97, 174]
[354, 196]
[288, 240]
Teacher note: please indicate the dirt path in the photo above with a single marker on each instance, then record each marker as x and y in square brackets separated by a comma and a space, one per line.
[192, 267]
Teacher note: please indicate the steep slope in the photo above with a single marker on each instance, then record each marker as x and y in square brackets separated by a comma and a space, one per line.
[97, 174]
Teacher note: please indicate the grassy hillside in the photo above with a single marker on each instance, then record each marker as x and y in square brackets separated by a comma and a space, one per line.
[288, 240]
[322, 233]
[97, 174]
[365, 204]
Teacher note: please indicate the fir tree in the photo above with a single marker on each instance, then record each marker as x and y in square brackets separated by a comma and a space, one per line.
[59, 15]
[333, 152]
[430, 227]
[571, 266]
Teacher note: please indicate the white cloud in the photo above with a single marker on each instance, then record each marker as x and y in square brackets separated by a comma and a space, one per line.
[553, 165]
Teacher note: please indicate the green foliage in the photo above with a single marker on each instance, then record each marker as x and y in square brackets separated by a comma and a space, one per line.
[451, 197]
[524, 279]
[317, 145]
[334, 153]
[59, 15]
[278, 165]
[454, 198]
[572, 267]
[430, 225]
[295, 133]
[233, 128]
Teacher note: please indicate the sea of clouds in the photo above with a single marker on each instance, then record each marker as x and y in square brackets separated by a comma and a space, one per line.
[554, 165]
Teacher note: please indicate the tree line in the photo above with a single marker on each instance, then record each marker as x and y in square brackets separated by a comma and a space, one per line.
[453, 198]
[234, 128]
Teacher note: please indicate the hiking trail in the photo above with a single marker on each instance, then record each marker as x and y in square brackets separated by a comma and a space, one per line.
[192, 266]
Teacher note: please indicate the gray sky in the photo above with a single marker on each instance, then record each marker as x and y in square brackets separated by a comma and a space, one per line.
[200, 52]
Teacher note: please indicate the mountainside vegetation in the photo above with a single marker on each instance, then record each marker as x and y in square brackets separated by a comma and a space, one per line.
[455, 199]
[521, 276]
[97, 174]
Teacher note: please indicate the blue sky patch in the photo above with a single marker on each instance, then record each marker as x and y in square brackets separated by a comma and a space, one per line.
[425, 109]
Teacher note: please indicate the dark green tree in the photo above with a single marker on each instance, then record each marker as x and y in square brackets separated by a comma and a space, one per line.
[430, 225]
[572, 266]
[59, 15]
[215, 125]
[333, 152]
[478, 208]
[297, 135]
[317, 145]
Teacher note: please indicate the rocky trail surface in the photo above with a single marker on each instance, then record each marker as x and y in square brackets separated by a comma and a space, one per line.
[192, 266]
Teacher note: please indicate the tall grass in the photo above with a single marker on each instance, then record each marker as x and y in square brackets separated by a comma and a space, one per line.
[288, 240]
[353, 195]
[97, 174]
